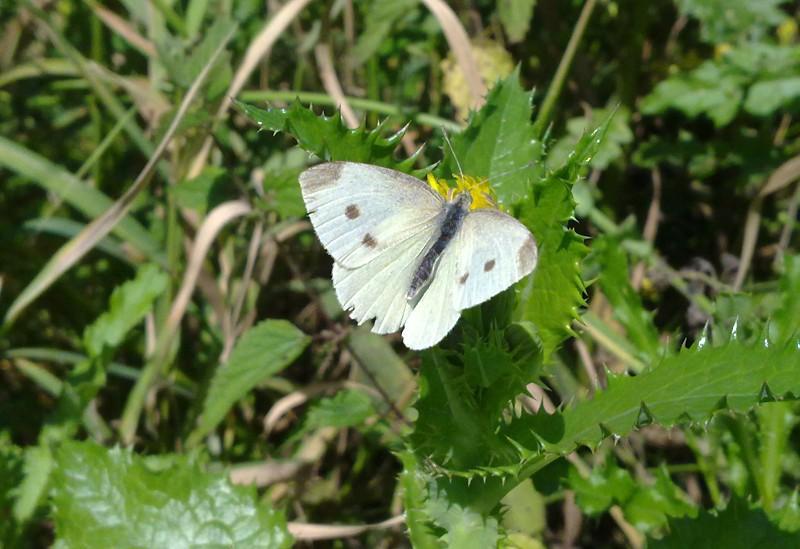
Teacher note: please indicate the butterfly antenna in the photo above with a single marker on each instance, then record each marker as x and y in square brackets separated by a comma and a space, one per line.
[452, 150]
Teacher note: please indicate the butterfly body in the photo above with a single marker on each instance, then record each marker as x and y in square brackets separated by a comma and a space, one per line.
[407, 256]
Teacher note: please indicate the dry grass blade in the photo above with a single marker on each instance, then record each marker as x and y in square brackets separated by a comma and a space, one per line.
[331, 83]
[260, 47]
[124, 29]
[786, 173]
[304, 531]
[71, 252]
[213, 224]
[458, 40]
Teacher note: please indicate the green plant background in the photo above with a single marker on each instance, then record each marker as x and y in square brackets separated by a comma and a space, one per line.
[175, 369]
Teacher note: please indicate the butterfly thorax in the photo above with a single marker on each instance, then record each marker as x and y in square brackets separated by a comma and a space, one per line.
[454, 214]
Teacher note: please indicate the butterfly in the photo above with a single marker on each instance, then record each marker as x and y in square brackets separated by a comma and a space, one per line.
[413, 255]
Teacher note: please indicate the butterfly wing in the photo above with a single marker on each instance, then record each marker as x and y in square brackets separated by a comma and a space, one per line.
[495, 252]
[378, 289]
[360, 211]
[491, 252]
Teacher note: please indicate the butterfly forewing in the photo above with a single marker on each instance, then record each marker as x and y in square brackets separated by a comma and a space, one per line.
[494, 251]
[360, 211]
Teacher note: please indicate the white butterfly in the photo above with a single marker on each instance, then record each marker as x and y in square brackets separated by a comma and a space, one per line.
[407, 256]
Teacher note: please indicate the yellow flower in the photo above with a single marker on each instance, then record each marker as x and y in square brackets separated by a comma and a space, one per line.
[479, 189]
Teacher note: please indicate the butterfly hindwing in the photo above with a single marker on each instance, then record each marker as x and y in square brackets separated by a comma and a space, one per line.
[378, 289]
[360, 211]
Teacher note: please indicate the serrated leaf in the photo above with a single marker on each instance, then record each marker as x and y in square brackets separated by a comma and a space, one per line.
[618, 134]
[499, 143]
[329, 138]
[464, 528]
[127, 306]
[346, 409]
[693, 383]
[602, 488]
[262, 351]
[114, 498]
[552, 298]
[516, 16]
[739, 526]
[38, 462]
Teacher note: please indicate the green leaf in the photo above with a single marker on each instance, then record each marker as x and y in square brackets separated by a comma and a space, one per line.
[552, 299]
[651, 506]
[768, 96]
[626, 303]
[786, 320]
[739, 526]
[603, 487]
[262, 351]
[128, 305]
[499, 143]
[734, 20]
[687, 387]
[516, 17]
[11, 477]
[464, 528]
[329, 138]
[38, 463]
[346, 409]
[618, 134]
[712, 89]
[379, 20]
[203, 192]
[114, 498]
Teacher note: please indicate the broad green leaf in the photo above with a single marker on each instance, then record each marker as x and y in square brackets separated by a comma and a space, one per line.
[203, 192]
[114, 498]
[346, 409]
[687, 387]
[767, 96]
[464, 528]
[379, 20]
[262, 351]
[329, 138]
[499, 143]
[734, 20]
[516, 17]
[712, 89]
[87, 200]
[738, 526]
[651, 506]
[604, 487]
[128, 305]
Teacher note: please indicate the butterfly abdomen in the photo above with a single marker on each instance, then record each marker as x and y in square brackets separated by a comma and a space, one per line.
[454, 216]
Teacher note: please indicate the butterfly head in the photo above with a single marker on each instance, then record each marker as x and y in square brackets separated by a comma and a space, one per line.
[480, 192]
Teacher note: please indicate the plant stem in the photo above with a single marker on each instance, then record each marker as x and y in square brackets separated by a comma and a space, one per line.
[543, 117]
[358, 103]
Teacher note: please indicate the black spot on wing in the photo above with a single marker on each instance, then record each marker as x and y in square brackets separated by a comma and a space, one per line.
[369, 241]
[463, 278]
[488, 266]
[352, 211]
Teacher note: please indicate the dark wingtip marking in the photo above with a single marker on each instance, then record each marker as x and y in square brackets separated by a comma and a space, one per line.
[463, 278]
[488, 266]
[369, 241]
[321, 176]
[352, 211]
[527, 254]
